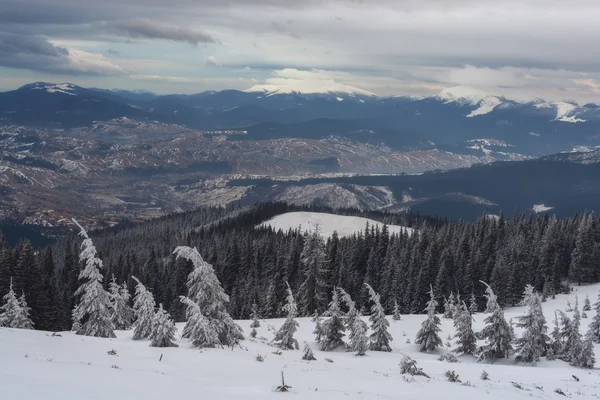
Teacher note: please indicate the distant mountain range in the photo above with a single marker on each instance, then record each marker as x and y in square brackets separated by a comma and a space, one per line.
[447, 121]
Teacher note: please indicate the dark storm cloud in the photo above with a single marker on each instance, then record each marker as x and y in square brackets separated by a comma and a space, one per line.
[147, 29]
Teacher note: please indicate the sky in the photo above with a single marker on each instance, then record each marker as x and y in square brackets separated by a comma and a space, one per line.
[521, 49]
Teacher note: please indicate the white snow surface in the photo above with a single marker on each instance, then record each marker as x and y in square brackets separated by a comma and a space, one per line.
[565, 112]
[36, 365]
[64, 88]
[469, 96]
[327, 223]
[540, 208]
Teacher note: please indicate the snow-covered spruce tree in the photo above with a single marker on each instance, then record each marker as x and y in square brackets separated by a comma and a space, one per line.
[555, 343]
[91, 316]
[308, 353]
[316, 319]
[122, 313]
[143, 308]
[380, 338]
[571, 337]
[427, 337]
[397, 316]
[449, 306]
[206, 291]
[595, 324]
[22, 319]
[466, 339]
[585, 358]
[534, 342]
[313, 288]
[473, 304]
[163, 329]
[497, 333]
[10, 309]
[255, 322]
[333, 327]
[586, 304]
[284, 337]
[357, 328]
[198, 328]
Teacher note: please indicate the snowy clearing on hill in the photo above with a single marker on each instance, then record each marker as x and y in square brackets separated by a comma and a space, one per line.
[37, 364]
[327, 223]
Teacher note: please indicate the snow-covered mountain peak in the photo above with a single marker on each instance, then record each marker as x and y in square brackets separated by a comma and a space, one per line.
[62, 88]
[565, 112]
[465, 95]
[326, 88]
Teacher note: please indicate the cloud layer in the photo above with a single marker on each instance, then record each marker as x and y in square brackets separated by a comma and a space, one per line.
[524, 49]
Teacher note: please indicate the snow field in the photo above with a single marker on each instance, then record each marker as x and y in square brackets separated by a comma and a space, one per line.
[35, 364]
[327, 223]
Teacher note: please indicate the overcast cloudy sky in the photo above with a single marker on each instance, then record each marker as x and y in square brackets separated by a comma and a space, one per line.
[519, 48]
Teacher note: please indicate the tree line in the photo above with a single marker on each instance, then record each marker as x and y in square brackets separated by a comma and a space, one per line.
[256, 265]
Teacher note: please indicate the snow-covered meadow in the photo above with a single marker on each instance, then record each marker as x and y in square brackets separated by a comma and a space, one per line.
[36, 364]
[327, 223]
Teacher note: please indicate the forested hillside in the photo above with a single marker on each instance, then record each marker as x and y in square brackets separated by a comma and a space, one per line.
[253, 264]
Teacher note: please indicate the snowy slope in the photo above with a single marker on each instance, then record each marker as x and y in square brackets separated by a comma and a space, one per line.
[35, 365]
[469, 96]
[327, 223]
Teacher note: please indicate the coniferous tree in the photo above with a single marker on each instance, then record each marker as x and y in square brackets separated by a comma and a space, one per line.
[91, 316]
[586, 304]
[466, 339]
[586, 358]
[357, 328]
[143, 309]
[11, 308]
[555, 347]
[427, 337]
[122, 313]
[333, 327]
[318, 332]
[255, 322]
[163, 329]
[397, 316]
[205, 290]
[572, 338]
[497, 332]
[312, 290]
[449, 306]
[308, 353]
[380, 338]
[198, 328]
[473, 308]
[534, 342]
[595, 324]
[284, 337]
[22, 319]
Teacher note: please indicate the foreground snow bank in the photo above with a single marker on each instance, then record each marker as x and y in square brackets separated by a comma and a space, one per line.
[36, 365]
[327, 223]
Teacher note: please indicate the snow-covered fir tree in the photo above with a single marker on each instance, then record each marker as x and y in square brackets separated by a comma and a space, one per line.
[313, 288]
[586, 357]
[284, 337]
[22, 319]
[163, 329]
[198, 328]
[357, 328]
[91, 316]
[465, 337]
[10, 309]
[316, 319]
[449, 306]
[308, 354]
[397, 316]
[255, 322]
[143, 309]
[380, 338]
[122, 313]
[586, 304]
[473, 304]
[555, 347]
[571, 337]
[428, 338]
[497, 332]
[333, 327]
[534, 342]
[595, 324]
[206, 291]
